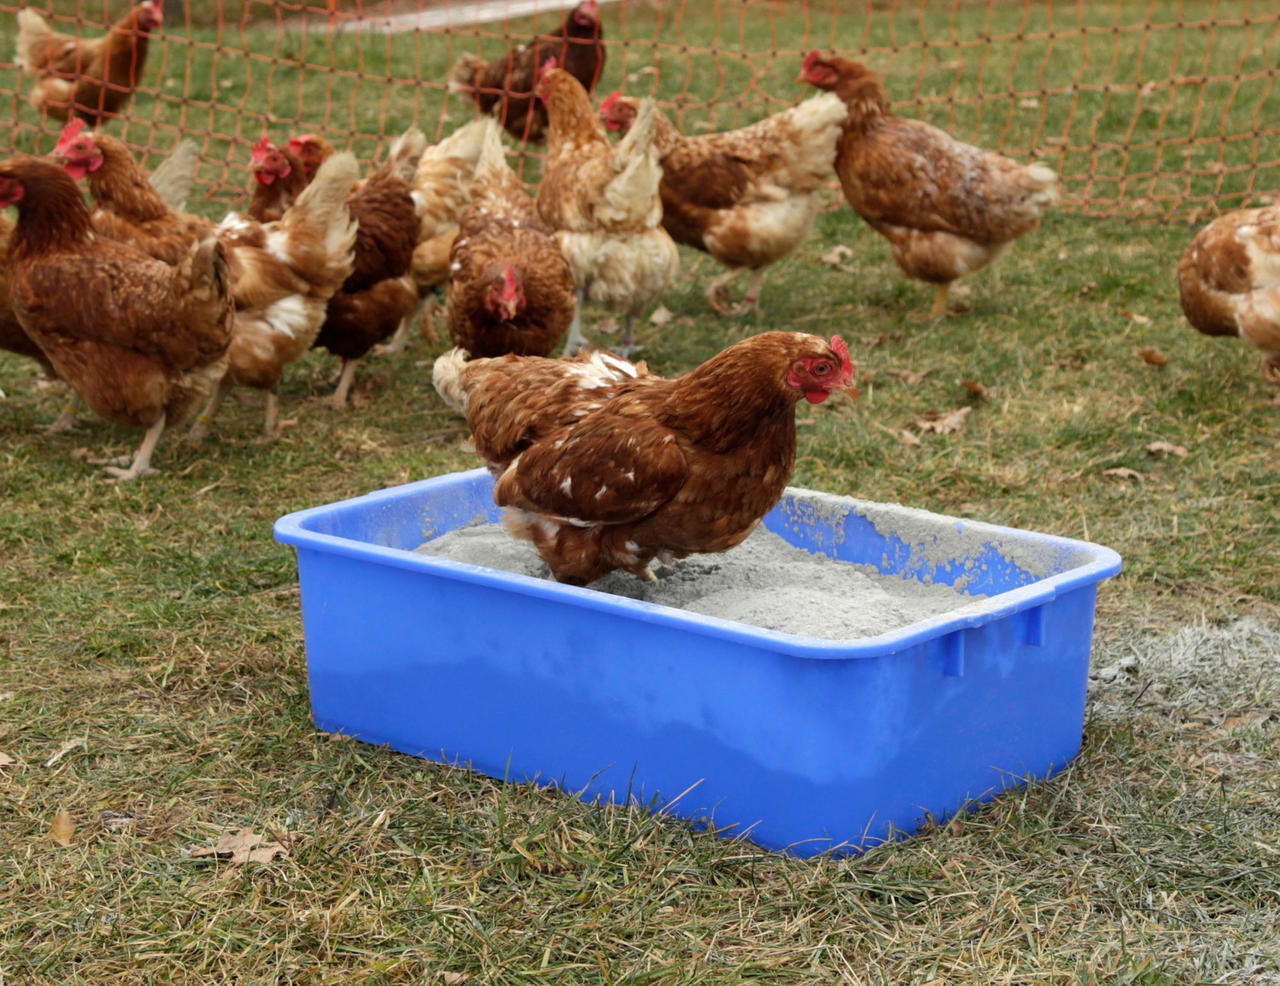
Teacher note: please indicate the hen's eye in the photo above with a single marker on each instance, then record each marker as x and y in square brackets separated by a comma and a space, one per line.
[821, 369]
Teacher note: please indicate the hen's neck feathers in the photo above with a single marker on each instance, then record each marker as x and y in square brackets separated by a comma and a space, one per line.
[860, 90]
[573, 122]
[121, 186]
[127, 42]
[52, 215]
[736, 397]
[665, 134]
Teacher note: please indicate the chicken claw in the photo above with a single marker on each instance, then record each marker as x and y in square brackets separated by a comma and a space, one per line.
[1271, 367]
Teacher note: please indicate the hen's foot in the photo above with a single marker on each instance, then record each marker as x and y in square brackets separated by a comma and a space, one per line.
[124, 475]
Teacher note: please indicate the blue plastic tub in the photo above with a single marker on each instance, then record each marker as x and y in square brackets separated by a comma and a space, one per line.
[802, 744]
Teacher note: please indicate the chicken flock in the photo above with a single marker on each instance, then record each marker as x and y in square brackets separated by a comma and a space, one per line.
[151, 315]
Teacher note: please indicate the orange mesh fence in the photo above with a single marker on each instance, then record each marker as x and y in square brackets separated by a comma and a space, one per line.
[1156, 109]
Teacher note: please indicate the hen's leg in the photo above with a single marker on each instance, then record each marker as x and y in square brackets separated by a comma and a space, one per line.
[66, 420]
[399, 342]
[200, 430]
[628, 344]
[271, 423]
[716, 291]
[576, 339]
[339, 398]
[1271, 368]
[751, 300]
[141, 465]
[939, 308]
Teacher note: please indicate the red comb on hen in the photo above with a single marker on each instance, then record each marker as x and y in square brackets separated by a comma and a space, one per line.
[69, 133]
[609, 100]
[846, 363]
[540, 84]
[260, 149]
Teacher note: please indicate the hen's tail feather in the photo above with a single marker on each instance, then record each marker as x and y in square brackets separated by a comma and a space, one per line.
[33, 37]
[640, 137]
[492, 164]
[446, 376]
[632, 196]
[175, 175]
[1047, 179]
[465, 142]
[406, 152]
[463, 72]
[320, 223]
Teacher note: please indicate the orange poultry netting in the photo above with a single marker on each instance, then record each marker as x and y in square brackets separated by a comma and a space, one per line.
[1156, 109]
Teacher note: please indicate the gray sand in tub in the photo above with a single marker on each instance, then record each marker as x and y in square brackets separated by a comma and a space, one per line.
[765, 582]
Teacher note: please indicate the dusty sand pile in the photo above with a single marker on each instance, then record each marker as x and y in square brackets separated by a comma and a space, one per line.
[764, 582]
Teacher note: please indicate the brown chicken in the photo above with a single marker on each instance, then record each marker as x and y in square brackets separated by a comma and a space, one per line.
[380, 295]
[282, 274]
[511, 290]
[508, 83]
[602, 467]
[1229, 281]
[172, 178]
[279, 178]
[441, 191]
[747, 196]
[603, 202]
[88, 77]
[14, 338]
[141, 341]
[947, 208]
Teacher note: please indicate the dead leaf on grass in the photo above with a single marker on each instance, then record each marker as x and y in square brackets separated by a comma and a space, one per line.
[1252, 719]
[1168, 447]
[454, 978]
[1135, 317]
[66, 748]
[1123, 472]
[974, 387]
[661, 315]
[909, 438]
[1153, 356]
[910, 377]
[836, 256]
[1029, 103]
[943, 424]
[117, 820]
[63, 829]
[6, 760]
[245, 846]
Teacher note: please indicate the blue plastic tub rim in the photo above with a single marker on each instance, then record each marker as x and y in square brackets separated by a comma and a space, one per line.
[292, 529]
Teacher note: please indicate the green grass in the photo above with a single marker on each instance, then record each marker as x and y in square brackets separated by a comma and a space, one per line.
[158, 622]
